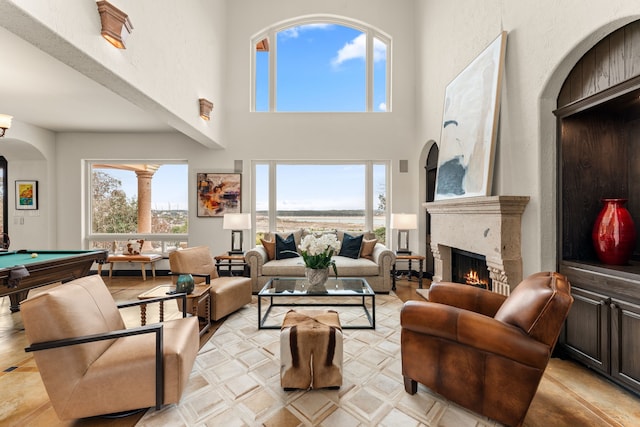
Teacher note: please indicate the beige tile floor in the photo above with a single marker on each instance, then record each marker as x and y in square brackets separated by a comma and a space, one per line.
[569, 395]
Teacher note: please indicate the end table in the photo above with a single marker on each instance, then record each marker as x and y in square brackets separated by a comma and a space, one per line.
[201, 294]
[405, 257]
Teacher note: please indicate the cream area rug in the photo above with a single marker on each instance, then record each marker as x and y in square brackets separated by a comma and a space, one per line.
[236, 381]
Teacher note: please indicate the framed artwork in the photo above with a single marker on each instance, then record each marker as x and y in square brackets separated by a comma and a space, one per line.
[470, 126]
[219, 194]
[26, 195]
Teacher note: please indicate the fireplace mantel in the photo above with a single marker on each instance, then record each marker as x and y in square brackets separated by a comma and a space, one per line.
[490, 226]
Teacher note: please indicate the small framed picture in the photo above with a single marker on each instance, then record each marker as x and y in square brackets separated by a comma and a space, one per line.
[26, 195]
[218, 194]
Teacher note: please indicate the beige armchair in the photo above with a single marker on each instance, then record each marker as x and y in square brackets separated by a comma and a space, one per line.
[91, 364]
[228, 294]
[484, 351]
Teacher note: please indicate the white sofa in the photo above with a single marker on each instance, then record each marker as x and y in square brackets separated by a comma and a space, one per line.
[377, 270]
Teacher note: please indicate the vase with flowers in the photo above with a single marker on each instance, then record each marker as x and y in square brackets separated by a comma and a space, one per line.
[317, 253]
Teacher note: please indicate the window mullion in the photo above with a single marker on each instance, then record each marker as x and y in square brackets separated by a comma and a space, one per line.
[273, 71]
[369, 61]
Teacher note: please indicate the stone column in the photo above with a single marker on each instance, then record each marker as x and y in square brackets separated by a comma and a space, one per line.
[144, 202]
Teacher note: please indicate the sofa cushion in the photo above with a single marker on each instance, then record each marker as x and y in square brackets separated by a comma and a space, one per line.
[297, 236]
[361, 267]
[367, 234]
[290, 267]
[367, 248]
[285, 248]
[351, 246]
[270, 247]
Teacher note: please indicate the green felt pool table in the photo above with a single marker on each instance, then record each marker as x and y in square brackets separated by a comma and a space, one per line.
[21, 271]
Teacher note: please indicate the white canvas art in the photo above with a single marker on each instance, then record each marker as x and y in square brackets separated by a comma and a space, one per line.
[469, 126]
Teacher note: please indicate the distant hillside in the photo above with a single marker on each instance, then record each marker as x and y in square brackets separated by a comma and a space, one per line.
[343, 213]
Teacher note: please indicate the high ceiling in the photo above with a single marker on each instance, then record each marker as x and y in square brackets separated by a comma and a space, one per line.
[40, 90]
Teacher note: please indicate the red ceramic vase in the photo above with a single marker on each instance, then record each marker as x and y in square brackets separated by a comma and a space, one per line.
[614, 234]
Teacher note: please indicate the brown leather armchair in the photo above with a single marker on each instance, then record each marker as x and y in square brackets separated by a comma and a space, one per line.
[91, 364]
[481, 350]
[228, 294]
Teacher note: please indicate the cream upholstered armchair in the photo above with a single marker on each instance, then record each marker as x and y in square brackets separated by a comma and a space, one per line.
[228, 294]
[91, 364]
[484, 351]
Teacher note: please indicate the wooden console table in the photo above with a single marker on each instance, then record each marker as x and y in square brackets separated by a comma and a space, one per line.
[142, 259]
[409, 258]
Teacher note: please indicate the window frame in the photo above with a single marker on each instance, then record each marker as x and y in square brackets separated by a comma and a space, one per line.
[371, 34]
[164, 238]
[368, 189]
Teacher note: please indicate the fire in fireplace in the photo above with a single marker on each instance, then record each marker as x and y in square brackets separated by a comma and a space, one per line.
[469, 268]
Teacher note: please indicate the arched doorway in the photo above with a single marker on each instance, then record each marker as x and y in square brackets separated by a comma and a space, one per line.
[431, 168]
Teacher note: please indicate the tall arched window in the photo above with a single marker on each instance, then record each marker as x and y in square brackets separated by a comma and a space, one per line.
[321, 64]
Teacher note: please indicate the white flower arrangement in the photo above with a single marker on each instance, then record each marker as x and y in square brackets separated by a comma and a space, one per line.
[317, 251]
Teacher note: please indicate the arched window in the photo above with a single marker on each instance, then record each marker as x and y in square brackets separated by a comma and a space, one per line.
[321, 64]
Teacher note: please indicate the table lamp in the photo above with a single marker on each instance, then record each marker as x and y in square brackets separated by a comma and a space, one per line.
[236, 222]
[403, 223]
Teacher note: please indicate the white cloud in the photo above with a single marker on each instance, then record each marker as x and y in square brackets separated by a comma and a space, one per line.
[294, 32]
[356, 49]
[382, 106]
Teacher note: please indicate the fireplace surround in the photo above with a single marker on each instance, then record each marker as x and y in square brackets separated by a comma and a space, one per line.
[489, 226]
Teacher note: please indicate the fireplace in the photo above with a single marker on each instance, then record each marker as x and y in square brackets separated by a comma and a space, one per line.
[489, 226]
[469, 268]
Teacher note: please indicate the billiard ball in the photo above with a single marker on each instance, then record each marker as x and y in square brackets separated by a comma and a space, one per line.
[34, 255]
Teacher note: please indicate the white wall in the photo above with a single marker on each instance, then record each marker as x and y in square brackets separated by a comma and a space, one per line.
[30, 154]
[545, 40]
[379, 136]
[174, 56]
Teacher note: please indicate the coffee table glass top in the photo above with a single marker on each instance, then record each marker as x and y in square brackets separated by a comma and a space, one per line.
[347, 286]
[344, 294]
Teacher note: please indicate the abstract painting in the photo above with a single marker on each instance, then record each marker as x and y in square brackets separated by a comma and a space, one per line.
[218, 194]
[470, 125]
[27, 195]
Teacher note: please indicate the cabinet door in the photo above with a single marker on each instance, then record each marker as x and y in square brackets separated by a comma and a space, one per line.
[586, 332]
[625, 343]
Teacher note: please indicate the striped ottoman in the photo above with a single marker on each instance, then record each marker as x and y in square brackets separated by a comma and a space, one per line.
[311, 350]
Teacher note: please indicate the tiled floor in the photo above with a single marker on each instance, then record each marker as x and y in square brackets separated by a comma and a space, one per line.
[235, 382]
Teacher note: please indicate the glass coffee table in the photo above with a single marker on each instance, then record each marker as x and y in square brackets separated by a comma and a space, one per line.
[351, 293]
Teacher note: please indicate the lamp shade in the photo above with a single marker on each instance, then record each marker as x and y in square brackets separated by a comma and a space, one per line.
[404, 221]
[237, 221]
[5, 121]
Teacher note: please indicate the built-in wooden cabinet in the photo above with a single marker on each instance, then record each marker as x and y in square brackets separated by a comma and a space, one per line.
[598, 119]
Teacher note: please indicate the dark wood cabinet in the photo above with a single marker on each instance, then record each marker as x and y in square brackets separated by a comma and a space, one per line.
[602, 330]
[598, 147]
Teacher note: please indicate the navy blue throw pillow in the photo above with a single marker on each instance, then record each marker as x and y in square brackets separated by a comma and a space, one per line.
[288, 244]
[351, 246]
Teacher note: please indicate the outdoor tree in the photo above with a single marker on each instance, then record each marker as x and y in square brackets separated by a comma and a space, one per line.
[112, 212]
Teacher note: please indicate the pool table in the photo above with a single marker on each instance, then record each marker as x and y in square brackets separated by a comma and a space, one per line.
[22, 270]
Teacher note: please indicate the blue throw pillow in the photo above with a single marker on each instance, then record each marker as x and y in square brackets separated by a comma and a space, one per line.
[351, 246]
[288, 244]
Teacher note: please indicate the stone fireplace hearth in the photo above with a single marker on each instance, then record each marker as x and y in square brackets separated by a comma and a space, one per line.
[489, 226]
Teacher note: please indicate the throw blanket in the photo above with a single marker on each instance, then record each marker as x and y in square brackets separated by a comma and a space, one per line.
[311, 349]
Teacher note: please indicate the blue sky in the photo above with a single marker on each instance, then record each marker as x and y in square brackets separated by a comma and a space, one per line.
[167, 187]
[321, 67]
[340, 186]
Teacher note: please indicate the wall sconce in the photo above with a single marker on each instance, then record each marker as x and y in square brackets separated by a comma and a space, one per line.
[205, 108]
[403, 223]
[236, 222]
[5, 123]
[116, 26]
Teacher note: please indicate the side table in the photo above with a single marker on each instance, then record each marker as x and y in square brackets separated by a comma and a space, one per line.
[230, 262]
[201, 294]
[409, 258]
